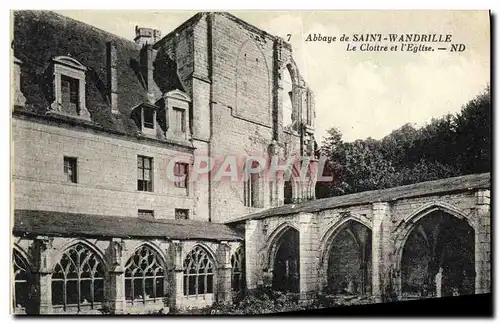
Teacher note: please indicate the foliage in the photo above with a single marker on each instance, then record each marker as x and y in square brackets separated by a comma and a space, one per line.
[446, 147]
[261, 301]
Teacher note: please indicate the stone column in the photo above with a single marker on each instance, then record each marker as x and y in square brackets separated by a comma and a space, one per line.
[380, 251]
[253, 240]
[278, 61]
[43, 273]
[308, 258]
[176, 274]
[116, 284]
[483, 242]
[224, 273]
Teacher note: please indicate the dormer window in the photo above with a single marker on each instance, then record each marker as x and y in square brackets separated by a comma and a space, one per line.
[69, 88]
[69, 94]
[177, 110]
[148, 117]
[144, 116]
[179, 123]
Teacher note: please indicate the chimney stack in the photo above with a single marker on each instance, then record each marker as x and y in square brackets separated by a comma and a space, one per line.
[111, 58]
[146, 62]
[145, 36]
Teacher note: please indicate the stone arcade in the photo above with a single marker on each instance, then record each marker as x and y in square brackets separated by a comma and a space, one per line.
[98, 225]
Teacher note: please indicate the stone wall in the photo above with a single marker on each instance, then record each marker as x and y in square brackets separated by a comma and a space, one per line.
[43, 253]
[390, 223]
[106, 172]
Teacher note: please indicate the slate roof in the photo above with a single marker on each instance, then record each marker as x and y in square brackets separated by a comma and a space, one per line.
[39, 36]
[59, 224]
[427, 188]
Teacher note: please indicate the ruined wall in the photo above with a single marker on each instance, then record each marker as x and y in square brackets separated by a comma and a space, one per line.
[390, 224]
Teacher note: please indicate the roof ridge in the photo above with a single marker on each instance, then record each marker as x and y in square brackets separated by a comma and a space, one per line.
[94, 28]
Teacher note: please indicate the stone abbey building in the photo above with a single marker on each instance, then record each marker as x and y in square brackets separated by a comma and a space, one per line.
[97, 120]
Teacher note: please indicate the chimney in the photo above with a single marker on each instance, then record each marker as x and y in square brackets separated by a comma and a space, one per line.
[146, 62]
[19, 99]
[111, 58]
[145, 36]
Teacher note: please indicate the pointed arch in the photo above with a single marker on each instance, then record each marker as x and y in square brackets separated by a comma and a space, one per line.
[347, 239]
[412, 231]
[145, 274]
[253, 98]
[238, 269]
[92, 247]
[199, 272]
[330, 234]
[78, 278]
[284, 258]
[274, 237]
[408, 223]
[22, 280]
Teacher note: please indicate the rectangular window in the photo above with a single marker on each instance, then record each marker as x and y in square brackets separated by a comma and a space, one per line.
[70, 94]
[181, 213]
[179, 120]
[181, 170]
[70, 169]
[146, 213]
[149, 118]
[144, 173]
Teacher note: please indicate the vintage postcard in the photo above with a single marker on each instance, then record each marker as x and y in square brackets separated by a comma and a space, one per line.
[249, 162]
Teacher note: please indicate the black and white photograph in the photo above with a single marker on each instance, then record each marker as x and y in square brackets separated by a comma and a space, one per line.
[250, 162]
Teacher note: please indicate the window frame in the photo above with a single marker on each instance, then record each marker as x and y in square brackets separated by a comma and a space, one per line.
[70, 163]
[68, 67]
[21, 267]
[204, 268]
[184, 182]
[176, 210]
[238, 270]
[72, 273]
[149, 183]
[143, 253]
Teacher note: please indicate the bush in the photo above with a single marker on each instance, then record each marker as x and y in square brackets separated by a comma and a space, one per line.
[261, 301]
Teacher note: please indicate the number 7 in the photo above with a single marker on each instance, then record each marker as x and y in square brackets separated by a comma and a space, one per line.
[289, 36]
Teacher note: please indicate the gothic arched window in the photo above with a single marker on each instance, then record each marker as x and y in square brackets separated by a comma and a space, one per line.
[238, 269]
[198, 273]
[144, 275]
[78, 279]
[22, 281]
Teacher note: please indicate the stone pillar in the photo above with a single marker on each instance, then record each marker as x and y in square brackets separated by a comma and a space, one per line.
[224, 273]
[278, 61]
[176, 274]
[308, 257]
[43, 274]
[483, 242]
[380, 249]
[116, 283]
[253, 240]
[111, 59]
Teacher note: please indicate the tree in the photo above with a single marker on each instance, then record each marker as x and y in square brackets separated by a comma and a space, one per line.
[446, 147]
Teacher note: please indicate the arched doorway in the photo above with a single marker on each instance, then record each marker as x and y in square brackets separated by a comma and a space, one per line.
[286, 275]
[438, 257]
[349, 260]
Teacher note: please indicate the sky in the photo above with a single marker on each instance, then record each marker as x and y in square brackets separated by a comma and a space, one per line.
[363, 94]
